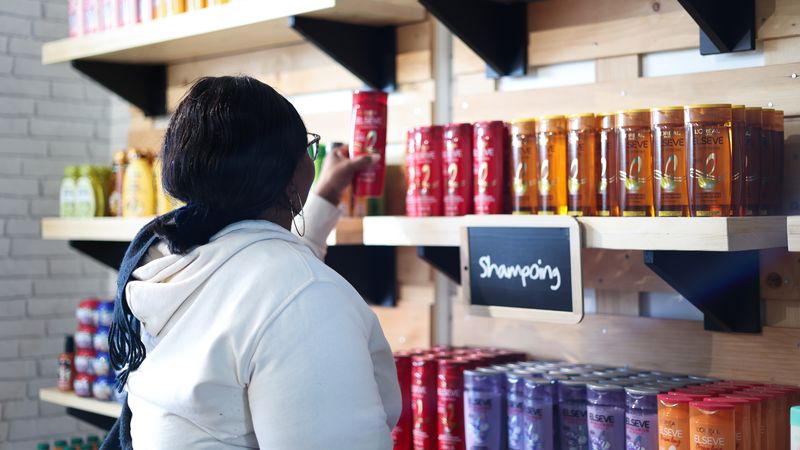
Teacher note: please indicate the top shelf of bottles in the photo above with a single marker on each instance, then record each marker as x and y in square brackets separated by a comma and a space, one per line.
[612, 233]
[234, 27]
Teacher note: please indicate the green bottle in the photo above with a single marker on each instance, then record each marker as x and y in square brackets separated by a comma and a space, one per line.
[318, 162]
[99, 185]
[66, 195]
[94, 440]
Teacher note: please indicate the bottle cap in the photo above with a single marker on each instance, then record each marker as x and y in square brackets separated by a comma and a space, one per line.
[42, 446]
[119, 157]
[795, 416]
[69, 344]
[85, 170]
[70, 172]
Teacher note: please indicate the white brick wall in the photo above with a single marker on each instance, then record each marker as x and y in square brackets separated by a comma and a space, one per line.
[50, 116]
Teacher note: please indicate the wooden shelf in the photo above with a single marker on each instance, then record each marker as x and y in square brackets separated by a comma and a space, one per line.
[70, 400]
[615, 233]
[611, 233]
[118, 229]
[106, 229]
[793, 233]
[235, 27]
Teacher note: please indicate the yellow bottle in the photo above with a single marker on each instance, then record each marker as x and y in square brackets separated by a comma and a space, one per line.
[709, 152]
[669, 162]
[522, 170]
[138, 191]
[551, 149]
[117, 175]
[164, 202]
[193, 5]
[635, 159]
[581, 152]
[607, 173]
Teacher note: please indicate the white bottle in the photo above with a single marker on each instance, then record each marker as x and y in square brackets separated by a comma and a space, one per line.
[85, 200]
[66, 195]
[795, 424]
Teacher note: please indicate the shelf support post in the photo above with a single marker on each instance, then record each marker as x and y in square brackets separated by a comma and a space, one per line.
[142, 85]
[497, 32]
[368, 52]
[724, 286]
[725, 25]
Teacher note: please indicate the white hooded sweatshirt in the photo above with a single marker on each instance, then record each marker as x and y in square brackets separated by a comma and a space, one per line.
[252, 341]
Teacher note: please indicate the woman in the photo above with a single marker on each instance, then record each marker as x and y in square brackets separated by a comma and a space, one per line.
[250, 339]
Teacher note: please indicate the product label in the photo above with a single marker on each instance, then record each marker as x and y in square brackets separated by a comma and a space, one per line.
[523, 178]
[580, 154]
[670, 170]
[673, 435]
[423, 411]
[428, 163]
[64, 374]
[709, 438]
[641, 431]
[606, 427]
[369, 137]
[84, 198]
[515, 419]
[574, 429]
[487, 160]
[451, 415]
[552, 172]
[711, 171]
[607, 176]
[752, 170]
[483, 420]
[538, 425]
[636, 171]
[458, 170]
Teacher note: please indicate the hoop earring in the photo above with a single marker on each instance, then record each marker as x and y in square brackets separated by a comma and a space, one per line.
[299, 213]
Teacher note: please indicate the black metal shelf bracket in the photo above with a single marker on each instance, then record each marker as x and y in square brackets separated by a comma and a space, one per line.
[497, 32]
[142, 85]
[108, 253]
[725, 25]
[444, 259]
[98, 420]
[368, 52]
[724, 286]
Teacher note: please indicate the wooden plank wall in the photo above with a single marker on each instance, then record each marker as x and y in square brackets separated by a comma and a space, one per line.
[615, 34]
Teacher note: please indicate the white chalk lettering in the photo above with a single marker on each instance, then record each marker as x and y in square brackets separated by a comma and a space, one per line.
[535, 272]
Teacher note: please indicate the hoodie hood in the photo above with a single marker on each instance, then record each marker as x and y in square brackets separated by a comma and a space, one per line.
[164, 284]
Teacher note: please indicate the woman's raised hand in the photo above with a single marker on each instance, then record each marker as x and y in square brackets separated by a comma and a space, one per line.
[337, 172]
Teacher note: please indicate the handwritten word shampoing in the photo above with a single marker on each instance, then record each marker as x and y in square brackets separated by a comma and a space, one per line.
[534, 272]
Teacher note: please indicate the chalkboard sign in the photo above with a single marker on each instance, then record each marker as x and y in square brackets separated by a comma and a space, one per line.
[523, 267]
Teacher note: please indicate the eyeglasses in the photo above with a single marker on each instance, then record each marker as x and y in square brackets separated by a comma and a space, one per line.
[313, 146]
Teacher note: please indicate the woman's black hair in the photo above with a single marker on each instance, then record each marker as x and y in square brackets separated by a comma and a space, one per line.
[230, 150]
[229, 153]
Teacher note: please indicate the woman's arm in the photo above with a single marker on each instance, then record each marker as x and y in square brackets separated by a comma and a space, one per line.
[321, 213]
[321, 217]
[313, 382]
